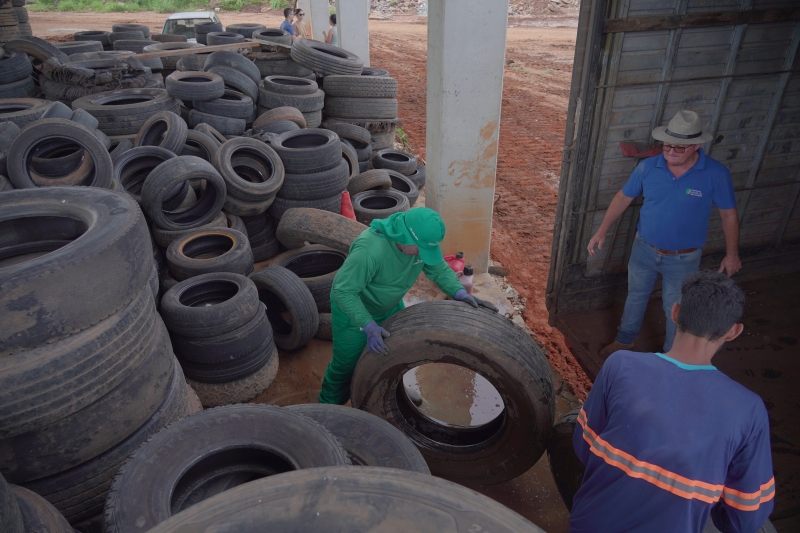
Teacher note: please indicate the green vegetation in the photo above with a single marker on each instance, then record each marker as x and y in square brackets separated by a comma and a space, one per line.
[280, 4]
[159, 6]
[402, 137]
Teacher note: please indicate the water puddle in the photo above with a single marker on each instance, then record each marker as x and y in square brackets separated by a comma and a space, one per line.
[453, 395]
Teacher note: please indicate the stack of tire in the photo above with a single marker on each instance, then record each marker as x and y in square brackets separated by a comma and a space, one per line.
[22, 510]
[9, 23]
[221, 335]
[405, 177]
[273, 36]
[279, 63]
[169, 64]
[358, 138]
[287, 91]
[316, 173]
[15, 74]
[241, 77]
[202, 29]
[400, 162]
[93, 375]
[122, 113]
[272, 123]
[369, 101]
[253, 174]
[99, 36]
[133, 38]
[245, 29]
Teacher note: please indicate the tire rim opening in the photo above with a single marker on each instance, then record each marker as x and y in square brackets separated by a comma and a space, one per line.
[206, 200]
[154, 135]
[450, 404]
[277, 313]
[197, 79]
[252, 167]
[305, 140]
[133, 172]
[400, 184]
[13, 109]
[313, 264]
[393, 156]
[126, 101]
[290, 81]
[378, 203]
[224, 470]
[57, 160]
[27, 238]
[207, 293]
[334, 53]
[207, 246]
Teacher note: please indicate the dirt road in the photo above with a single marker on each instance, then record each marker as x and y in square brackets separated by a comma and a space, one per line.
[536, 89]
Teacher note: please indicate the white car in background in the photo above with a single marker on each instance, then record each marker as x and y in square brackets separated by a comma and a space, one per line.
[183, 23]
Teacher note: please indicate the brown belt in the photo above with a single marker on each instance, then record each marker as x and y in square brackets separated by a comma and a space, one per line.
[671, 252]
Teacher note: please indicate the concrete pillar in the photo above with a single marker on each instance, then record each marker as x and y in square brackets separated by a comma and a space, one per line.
[466, 57]
[352, 17]
[317, 14]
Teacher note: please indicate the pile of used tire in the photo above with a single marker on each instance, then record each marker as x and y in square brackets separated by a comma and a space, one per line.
[13, 20]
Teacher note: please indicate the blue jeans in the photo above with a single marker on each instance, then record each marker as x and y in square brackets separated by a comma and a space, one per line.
[643, 269]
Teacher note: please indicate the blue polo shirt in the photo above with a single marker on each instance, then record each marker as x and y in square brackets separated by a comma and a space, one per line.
[287, 26]
[675, 211]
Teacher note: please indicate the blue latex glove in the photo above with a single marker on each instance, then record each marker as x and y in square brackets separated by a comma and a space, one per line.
[463, 296]
[375, 335]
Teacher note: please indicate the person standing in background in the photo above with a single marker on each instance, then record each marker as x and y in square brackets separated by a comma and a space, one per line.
[286, 25]
[332, 35]
[300, 25]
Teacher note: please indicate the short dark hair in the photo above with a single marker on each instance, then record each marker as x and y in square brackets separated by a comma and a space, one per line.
[333, 18]
[288, 11]
[710, 304]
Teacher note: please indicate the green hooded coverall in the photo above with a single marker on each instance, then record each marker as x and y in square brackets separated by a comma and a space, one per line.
[369, 286]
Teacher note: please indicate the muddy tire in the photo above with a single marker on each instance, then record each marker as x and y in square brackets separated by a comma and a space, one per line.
[315, 226]
[186, 466]
[316, 265]
[209, 251]
[80, 492]
[195, 86]
[370, 205]
[97, 427]
[10, 516]
[113, 251]
[165, 129]
[279, 114]
[325, 59]
[316, 185]
[239, 391]
[405, 186]
[368, 181]
[282, 291]
[325, 330]
[418, 501]
[486, 343]
[38, 514]
[565, 466]
[368, 440]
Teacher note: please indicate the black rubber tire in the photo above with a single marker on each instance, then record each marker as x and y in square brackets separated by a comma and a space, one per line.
[309, 150]
[279, 439]
[131, 27]
[361, 86]
[134, 45]
[316, 185]
[281, 126]
[113, 251]
[350, 132]
[282, 291]
[53, 161]
[264, 178]
[487, 343]
[165, 129]
[97, 427]
[363, 166]
[227, 357]
[288, 85]
[236, 80]
[318, 227]
[404, 186]
[279, 64]
[565, 466]
[194, 62]
[225, 58]
[10, 516]
[200, 145]
[279, 114]
[361, 108]
[82, 117]
[244, 29]
[38, 515]
[35, 47]
[125, 111]
[164, 237]
[368, 440]
[24, 88]
[14, 66]
[370, 205]
[231, 104]
[325, 330]
[369, 181]
[170, 62]
[281, 205]
[383, 139]
[398, 160]
[79, 493]
[224, 125]
[370, 71]
[418, 177]
[210, 304]
[236, 222]
[195, 86]
[273, 35]
[363, 151]
[350, 158]
[93, 35]
[8, 17]
[132, 168]
[211, 132]
[206, 26]
[115, 36]
[22, 111]
[313, 118]
[305, 103]
[417, 501]
[223, 37]
[80, 47]
[162, 180]
[167, 38]
[118, 147]
[324, 58]
[58, 110]
[209, 251]
[316, 265]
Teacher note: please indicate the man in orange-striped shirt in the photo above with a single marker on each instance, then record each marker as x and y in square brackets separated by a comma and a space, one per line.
[668, 440]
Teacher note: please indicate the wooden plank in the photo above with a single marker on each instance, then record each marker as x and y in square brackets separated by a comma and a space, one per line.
[250, 43]
[700, 20]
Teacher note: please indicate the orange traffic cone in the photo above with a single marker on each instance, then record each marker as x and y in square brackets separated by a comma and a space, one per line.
[347, 206]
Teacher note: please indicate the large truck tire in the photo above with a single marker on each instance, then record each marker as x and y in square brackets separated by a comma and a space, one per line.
[486, 343]
[565, 466]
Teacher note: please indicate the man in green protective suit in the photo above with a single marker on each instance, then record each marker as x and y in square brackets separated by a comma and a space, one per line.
[384, 262]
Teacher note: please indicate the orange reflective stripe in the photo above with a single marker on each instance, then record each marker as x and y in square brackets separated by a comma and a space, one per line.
[670, 481]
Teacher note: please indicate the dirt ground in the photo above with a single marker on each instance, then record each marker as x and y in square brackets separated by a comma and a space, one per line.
[536, 90]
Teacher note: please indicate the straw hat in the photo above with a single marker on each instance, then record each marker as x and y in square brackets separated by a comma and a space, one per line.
[684, 128]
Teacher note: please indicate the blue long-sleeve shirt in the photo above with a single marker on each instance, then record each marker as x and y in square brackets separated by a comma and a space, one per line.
[667, 444]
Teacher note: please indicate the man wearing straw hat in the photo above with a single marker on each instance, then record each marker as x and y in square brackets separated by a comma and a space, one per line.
[679, 187]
